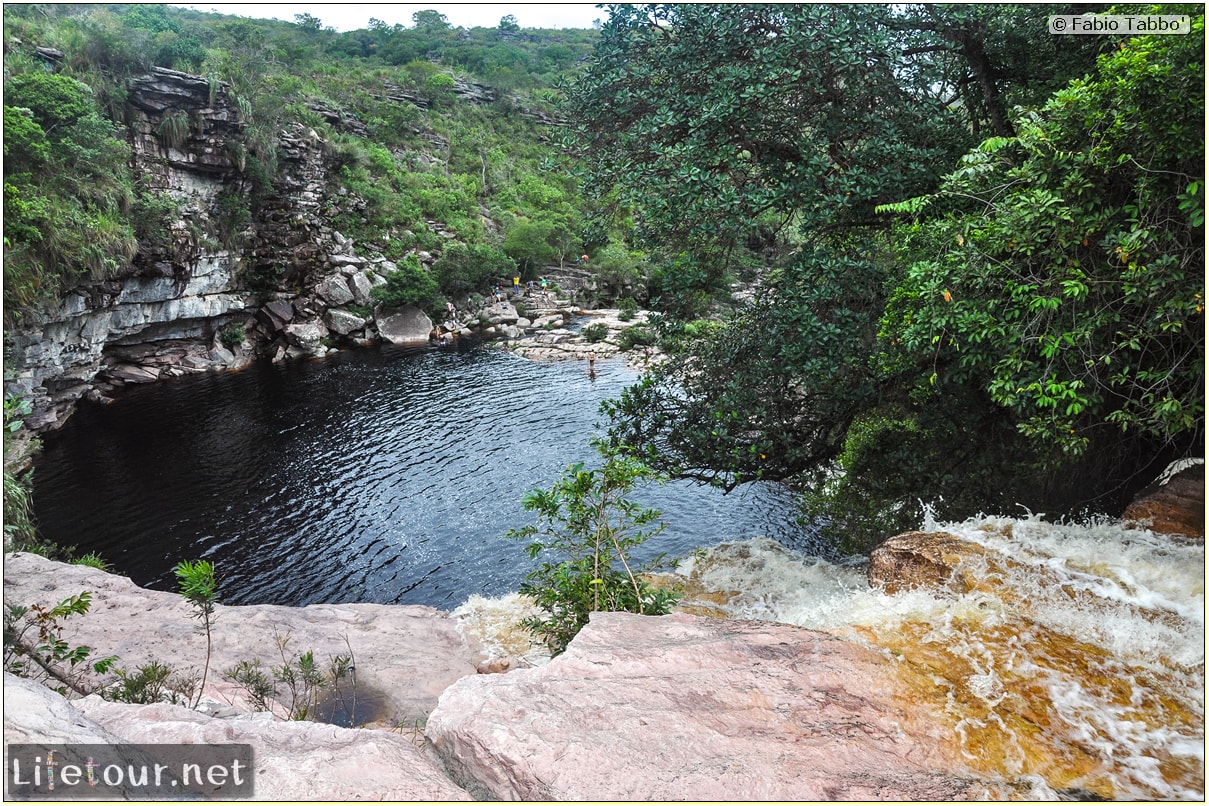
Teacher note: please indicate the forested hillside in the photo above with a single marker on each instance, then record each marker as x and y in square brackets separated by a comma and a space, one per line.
[430, 129]
[898, 254]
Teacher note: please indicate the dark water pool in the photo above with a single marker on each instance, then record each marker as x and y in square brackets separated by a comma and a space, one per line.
[376, 476]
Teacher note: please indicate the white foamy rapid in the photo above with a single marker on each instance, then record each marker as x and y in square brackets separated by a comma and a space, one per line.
[1076, 652]
[495, 625]
[1071, 657]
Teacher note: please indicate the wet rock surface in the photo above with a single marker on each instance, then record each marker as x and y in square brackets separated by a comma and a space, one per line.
[1175, 504]
[685, 708]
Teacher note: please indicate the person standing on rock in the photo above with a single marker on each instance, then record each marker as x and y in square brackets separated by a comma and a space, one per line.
[516, 285]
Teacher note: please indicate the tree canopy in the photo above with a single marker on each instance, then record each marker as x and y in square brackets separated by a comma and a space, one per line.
[1016, 322]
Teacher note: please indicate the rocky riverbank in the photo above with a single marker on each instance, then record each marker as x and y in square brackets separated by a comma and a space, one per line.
[639, 707]
[676, 707]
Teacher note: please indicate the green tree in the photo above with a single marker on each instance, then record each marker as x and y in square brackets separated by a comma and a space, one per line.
[1061, 271]
[528, 243]
[590, 529]
[787, 110]
[462, 268]
[409, 284]
[714, 125]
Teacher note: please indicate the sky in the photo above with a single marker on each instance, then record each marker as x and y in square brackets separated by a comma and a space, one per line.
[353, 16]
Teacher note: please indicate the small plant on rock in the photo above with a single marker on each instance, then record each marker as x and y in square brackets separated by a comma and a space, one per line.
[33, 647]
[151, 683]
[199, 587]
[232, 335]
[298, 684]
[591, 529]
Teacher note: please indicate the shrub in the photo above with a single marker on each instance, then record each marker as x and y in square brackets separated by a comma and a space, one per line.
[34, 648]
[150, 683]
[627, 308]
[586, 521]
[638, 334]
[595, 332]
[407, 285]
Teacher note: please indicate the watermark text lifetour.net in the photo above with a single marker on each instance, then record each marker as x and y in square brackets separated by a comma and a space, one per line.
[67, 772]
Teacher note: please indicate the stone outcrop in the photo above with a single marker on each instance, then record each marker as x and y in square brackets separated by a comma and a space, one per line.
[687, 708]
[405, 655]
[1174, 504]
[294, 761]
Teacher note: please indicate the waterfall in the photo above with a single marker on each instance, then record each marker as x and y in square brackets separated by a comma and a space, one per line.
[1076, 656]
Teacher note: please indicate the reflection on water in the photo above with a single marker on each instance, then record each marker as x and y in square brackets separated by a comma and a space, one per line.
[369, 476]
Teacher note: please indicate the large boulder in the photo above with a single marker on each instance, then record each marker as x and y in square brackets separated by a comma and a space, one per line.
[1174, 504]
[305, 335]
[681, 707]
[409, 326]
[335, 291]
[927, 560]
[343, 322]
[276, 314]
[360, 285]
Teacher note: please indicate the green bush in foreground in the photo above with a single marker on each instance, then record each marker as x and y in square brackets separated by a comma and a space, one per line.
[589, 525]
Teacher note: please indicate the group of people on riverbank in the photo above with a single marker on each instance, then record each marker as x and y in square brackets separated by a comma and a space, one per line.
[529, 289]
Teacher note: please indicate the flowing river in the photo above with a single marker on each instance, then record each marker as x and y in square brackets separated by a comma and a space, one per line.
[1075, 658]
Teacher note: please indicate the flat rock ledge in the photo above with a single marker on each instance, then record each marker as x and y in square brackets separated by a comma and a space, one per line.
[405, 655]
[682, 707]
[293, 761]
[676, 707]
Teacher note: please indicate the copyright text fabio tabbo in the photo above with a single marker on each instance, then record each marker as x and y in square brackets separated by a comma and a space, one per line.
[1126, 24]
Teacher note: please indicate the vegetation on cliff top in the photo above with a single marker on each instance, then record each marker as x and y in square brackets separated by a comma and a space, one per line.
[409, 159]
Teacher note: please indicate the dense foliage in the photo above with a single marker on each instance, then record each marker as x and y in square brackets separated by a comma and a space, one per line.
[410, 158]
[1026, 330]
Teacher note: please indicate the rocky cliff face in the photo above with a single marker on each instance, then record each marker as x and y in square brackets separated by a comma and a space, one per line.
[184, 304]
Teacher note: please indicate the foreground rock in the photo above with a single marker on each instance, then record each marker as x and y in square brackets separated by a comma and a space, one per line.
[294, 761]
[405, 656]
[1175, 504]
[686, 708]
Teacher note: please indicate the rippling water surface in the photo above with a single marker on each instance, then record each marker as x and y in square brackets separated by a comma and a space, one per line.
[368, 476]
